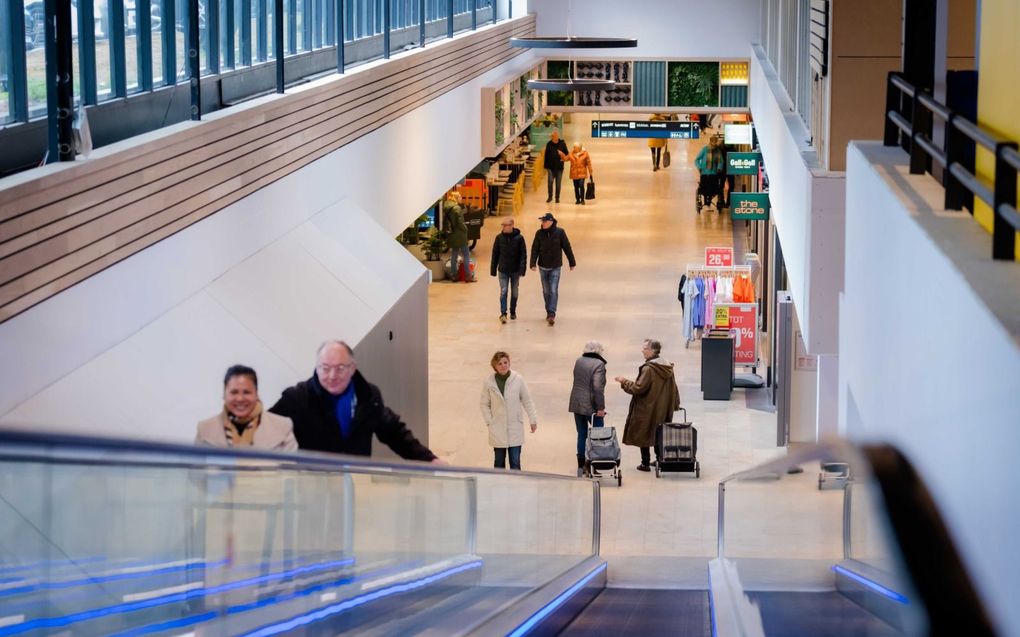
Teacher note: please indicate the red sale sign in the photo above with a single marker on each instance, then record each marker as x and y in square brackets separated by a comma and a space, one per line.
[718, 257]
[744, 328]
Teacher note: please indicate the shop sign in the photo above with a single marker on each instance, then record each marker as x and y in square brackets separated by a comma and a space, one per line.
[750, 206]
[722, 316]
[718, 257]
[742, 163]
[743, 323]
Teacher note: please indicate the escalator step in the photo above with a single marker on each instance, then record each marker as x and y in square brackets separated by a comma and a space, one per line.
[627, 611]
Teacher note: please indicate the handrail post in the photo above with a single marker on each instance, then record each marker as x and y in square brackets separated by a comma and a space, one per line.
[194, 43]
[919, 125]
[892, 103]
[472, 517]
[847, 526]
[954, 199]
[1003, 232]
[721, 526]
[596, 532]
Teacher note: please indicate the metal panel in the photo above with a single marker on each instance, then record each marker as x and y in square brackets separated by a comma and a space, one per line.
[87, 51]
[194, 63]
[118, 56]
[649, 83]
[212, 21]
[169, 19]
[59, 80]
[245, 32]
[143, 43]
[228, 31]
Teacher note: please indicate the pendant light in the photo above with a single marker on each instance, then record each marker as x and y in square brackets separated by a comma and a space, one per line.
[571, 42]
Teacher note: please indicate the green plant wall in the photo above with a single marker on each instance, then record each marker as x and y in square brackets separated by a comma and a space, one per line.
[693, 84]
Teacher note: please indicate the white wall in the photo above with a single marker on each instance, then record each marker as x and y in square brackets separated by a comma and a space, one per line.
[925, 365]
[156, 331]
[807, 205]
[663, 28]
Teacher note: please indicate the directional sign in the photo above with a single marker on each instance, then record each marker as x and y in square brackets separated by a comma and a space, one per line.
[625, 129]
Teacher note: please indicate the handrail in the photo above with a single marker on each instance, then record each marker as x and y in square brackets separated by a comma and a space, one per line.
[958, 178]
[943, 585]
[306, 460]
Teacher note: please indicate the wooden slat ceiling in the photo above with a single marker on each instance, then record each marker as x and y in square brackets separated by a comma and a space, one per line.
[63, 227]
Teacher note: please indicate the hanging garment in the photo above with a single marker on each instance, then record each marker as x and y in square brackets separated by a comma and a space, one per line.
[699, 303]
[690, 294]
[680, 291]
[710, 287]
[743, 289]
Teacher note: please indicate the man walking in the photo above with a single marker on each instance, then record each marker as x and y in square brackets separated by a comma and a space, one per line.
[654, 398]
[338, 410]
[510, 261]
[547, 251]
[555, 152]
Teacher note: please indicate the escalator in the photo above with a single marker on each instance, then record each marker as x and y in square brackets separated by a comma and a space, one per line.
[103, 537]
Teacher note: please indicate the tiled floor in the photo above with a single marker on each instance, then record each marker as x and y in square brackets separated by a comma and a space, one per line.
[632, 244]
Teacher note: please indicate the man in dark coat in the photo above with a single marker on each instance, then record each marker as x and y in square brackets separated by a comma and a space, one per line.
[555, 152]
[655, 397]
[547, 251]
[338, 410]
[510, 262]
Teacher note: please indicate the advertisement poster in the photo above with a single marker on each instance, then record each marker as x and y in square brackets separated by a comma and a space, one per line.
[718, 257]
[743, 323]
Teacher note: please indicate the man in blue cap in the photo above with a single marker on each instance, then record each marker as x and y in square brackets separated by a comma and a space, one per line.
[547, 251]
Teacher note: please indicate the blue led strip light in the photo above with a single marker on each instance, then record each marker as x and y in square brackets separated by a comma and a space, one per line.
[240, 608]
[526, 627]
[73, 618]
[353, 602]
[875, 586]
[28, 588]
[28, 608]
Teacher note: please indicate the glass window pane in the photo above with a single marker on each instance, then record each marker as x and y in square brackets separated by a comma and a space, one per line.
[158, 28]
[131, 45]
[405, 34]
[5, 66]
[226, 33]
[104, 53]
[203, 22]
[35, 60]
[181, 18]
[263, 30]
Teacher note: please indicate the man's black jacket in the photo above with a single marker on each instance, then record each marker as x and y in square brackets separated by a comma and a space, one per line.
[549, 246]
[509, 254]
[552, 159]
[316, 428]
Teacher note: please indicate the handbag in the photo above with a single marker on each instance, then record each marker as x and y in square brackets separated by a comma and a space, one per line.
[589, 191]
[665, 158]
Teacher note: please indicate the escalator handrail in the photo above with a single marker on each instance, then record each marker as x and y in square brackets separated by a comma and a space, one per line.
[18, 444]
[926, 548]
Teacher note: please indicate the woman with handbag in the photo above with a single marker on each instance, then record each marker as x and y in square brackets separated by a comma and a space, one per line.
[657, 144]
[580, 169]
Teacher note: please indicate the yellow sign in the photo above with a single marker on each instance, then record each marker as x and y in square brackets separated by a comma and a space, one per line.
[722, 316]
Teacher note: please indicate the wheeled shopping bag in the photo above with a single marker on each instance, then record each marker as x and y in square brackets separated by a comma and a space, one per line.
[676, 444]
[602, 453]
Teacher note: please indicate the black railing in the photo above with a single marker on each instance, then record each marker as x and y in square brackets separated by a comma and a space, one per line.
[958, 178]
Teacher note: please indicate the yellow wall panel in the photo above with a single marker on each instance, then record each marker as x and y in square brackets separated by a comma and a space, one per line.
[997, 86]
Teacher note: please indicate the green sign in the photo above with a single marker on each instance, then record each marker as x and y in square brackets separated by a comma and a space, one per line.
[742, 163]
[749, 206]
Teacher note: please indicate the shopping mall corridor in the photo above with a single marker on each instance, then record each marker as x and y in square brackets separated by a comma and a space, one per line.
[632, 245]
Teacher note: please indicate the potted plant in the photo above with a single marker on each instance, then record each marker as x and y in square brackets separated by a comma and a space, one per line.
[435, 246]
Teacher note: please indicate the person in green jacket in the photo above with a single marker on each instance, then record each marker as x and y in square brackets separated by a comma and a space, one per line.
[457, 238]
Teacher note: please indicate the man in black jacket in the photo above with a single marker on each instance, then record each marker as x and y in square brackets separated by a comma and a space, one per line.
[510, 261]
[547, 251]
[555, 152]
[338, 410]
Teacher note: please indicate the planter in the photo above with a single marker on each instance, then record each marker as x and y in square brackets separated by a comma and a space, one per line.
[437, 270]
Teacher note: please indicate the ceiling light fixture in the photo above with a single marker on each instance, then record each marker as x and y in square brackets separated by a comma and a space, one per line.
[567, 84]
[570, 42]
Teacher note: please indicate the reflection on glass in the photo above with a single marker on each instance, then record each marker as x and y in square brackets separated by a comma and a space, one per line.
[181, 18]
[170, 545]
[156, 47]
[5, 66]
[134, 80]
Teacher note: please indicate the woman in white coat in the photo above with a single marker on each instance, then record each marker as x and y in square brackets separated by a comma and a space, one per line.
[505, 398]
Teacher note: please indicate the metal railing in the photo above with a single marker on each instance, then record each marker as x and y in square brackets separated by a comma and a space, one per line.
[959, 179]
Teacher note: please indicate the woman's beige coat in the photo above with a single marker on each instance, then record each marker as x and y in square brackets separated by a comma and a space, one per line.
[275, 433]
[504, 416]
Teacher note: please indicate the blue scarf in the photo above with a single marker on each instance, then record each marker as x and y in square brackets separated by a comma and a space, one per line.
[344, 409]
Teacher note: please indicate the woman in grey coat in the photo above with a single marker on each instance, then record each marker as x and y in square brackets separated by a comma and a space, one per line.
[588, 395]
